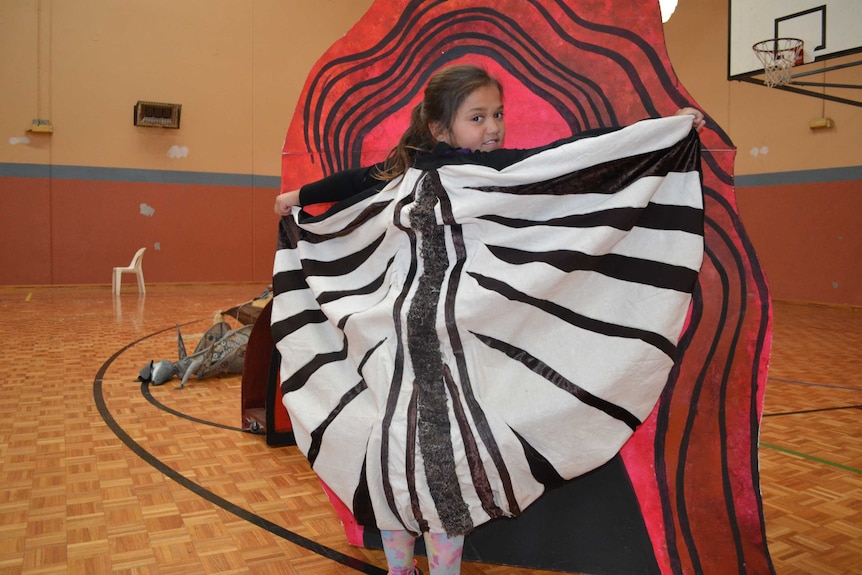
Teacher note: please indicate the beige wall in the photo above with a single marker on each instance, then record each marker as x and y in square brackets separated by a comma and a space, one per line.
[801, 212]
[238, 67]
[755, 116]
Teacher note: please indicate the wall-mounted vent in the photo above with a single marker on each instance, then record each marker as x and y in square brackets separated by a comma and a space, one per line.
[157, 114]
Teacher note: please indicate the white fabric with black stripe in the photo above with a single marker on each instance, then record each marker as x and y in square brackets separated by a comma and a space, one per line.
[464, 338]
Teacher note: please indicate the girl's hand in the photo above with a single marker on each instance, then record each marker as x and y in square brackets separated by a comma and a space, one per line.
[285, 201]
[698, 121]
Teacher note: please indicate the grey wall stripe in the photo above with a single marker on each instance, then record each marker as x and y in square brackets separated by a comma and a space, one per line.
[134, 175]
[800, 177]
[216, 179]
[24, 170]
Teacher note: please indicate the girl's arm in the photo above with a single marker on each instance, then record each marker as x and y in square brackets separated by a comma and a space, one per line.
[333, 188]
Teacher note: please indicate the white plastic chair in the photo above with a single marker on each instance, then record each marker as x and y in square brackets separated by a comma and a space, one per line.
[134, 267]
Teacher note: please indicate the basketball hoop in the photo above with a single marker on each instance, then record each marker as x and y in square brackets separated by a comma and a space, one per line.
[779, 56]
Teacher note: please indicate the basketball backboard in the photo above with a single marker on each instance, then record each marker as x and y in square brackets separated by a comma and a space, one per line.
[828, 28]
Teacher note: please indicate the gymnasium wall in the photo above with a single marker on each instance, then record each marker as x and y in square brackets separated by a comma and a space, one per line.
[81, 200]
[799, 190]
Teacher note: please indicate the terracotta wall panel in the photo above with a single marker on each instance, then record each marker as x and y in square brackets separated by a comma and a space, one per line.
[807, 237]
[193, 233]
[25, 231]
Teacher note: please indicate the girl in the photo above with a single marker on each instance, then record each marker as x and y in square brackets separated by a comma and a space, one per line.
[462, 109]
[461, 113]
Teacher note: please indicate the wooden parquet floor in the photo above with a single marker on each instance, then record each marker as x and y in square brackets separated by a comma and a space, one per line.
[102, 475]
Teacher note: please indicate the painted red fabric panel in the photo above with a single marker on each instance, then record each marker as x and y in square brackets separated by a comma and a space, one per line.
[568, 66]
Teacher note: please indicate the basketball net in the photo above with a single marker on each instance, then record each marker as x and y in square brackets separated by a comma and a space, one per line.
[778, 56]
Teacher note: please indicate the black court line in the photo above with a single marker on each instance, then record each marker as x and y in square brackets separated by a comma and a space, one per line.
[817, 410]
[145, 391]
[804, 455]
[826, 385]
[199, 490]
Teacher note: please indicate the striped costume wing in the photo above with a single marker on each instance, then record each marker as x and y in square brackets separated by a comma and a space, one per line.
[468, 336]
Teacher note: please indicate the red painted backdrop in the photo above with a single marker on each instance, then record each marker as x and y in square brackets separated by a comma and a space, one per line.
[567, 66]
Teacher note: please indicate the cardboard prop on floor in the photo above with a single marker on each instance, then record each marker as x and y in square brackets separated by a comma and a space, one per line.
[220, 351]
[682, 495]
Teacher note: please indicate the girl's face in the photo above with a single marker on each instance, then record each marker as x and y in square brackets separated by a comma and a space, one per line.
[478, 124]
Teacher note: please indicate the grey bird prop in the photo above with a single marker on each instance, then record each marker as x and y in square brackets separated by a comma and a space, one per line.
[221, 350]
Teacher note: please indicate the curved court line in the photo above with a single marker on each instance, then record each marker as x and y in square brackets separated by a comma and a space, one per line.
[145, 391]
[199, 490]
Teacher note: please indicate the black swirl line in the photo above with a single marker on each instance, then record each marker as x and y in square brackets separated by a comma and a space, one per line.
[204, 493]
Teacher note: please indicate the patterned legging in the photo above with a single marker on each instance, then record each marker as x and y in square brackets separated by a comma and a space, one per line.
[444, 552]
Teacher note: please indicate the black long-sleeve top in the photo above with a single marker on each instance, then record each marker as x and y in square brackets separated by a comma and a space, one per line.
[347, 183]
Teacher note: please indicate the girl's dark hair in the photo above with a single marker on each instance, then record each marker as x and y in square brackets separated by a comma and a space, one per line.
[444, 94]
